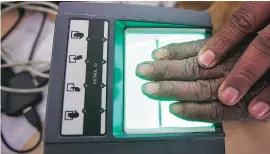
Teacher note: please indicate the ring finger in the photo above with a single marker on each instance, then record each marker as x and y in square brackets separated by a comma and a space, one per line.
[200, 90]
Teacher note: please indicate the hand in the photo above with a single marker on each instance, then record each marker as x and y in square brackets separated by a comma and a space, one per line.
[252, 65]
[176, 75]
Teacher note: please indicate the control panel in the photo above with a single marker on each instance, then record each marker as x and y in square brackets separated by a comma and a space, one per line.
[84, 102]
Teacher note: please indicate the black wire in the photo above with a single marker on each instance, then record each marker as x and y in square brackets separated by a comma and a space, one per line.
[21, 15]
[35, 44]
[21, 151]
[37, 37]
[34, 119]
[35, 113]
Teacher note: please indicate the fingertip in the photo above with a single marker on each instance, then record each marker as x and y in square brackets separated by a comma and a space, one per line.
[175, 109]
[160, 54]
[206, 59]
[144, 70]
[182, 111]
[172, 108]
[228, 95]
[150, 88]
[259, 110]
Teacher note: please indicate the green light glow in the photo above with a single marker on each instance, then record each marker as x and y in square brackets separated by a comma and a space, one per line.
[134, 113]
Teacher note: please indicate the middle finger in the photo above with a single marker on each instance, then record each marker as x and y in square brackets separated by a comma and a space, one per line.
[184, 70]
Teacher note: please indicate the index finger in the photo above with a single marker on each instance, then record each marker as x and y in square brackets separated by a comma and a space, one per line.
[245, 20]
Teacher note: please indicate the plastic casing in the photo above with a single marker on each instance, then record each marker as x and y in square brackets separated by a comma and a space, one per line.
[203, 143]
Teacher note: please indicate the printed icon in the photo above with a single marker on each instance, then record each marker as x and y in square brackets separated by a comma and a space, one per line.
[71, 87]
[70, 115]
[74, 58]
[76, 35]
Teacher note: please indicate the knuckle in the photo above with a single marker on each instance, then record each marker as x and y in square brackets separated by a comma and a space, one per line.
[167, 88]
[216, 112]
[204, 73]
[237, 112]
[196, 45]
[243, 20]
[165, 72]
[242, 112]
[213, 86]
[188, 46]
[205, 90]
[262, 43]
[248, 75]
[168, 46]
[172, 49]
[197, 95]
[192, 68]
[160, 69]
[264, 95]
[192, 45]
[173, 90]
[201, 42]
[220, 42]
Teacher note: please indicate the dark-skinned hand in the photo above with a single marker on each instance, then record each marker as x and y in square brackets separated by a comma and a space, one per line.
[252, 17]
[176, 75]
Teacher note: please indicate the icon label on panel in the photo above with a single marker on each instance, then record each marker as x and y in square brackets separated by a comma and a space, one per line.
[76, 35]
[75, 76]
[74, 58]
[70, 115]
[71, 87]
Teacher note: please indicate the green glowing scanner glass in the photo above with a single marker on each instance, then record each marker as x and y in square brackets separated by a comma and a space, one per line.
[142, 115]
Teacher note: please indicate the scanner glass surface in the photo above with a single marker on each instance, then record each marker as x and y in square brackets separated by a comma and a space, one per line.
[143, 115]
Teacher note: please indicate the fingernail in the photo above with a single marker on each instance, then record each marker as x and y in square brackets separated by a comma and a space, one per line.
[229, 96]
[160, 54]
[206, 58]
[260, 109]
[150, 88]
[144, 69]
[175, 108]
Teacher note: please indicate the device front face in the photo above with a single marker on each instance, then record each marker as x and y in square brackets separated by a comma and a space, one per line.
[95, 97]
